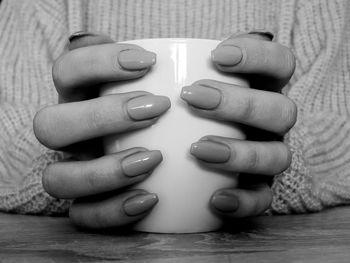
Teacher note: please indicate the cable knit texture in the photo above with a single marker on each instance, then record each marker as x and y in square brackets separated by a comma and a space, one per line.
[34, 33]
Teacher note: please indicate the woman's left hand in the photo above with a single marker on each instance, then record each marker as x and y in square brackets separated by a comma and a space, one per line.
[262, 109]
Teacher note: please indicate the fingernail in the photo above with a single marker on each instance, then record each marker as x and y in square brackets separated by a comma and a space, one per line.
[200, 96]
[225, 202]
[141, 162]
[209, 151]
[80, 34]
[139, 204]
[227, 55]
[265, 34]
[133, 59]
[147, 107]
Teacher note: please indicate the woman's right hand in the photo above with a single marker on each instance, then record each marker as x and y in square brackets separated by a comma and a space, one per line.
[76, 125]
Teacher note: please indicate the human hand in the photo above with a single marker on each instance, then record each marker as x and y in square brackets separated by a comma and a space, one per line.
[261, 109]
[97, 182]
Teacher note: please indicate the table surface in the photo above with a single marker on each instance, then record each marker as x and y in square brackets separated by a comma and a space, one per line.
[321, 237]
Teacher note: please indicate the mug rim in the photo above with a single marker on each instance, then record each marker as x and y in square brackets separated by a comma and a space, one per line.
[169, 39]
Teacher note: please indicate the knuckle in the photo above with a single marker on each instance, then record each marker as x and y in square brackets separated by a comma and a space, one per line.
[38, 125]
[269, 194]
[72, 215]
[290, 62]
[81, 214]
[42, 127]
[46, 179]
[285, 157]
[95, 119]
[57, 69]
[76, 216]
[268, 199]
[98, 219]
[288, 157]
[247, 107]
[92, 62]
[289, 115]
[92, 179]
[263, 200]
[113, 169]
[252, 158]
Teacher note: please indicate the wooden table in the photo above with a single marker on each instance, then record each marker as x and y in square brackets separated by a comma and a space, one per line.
[321, 237]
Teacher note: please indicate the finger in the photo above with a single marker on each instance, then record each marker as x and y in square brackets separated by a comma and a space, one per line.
[80, 69]
[83, 39]
[242, 156]
[76, 179]
[253, 55]
[116, 211]
[64, 124]
[266, 110]
[238, 203]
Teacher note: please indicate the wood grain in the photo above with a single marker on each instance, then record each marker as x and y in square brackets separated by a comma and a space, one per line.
[321, 237]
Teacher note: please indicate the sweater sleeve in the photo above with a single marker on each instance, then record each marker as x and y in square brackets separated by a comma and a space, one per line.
[25, 86]
[319, 176]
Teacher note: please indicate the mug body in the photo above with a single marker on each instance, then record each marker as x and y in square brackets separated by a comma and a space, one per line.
[183, 185]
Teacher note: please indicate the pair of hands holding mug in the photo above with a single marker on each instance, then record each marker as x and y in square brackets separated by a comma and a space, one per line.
[98, 182]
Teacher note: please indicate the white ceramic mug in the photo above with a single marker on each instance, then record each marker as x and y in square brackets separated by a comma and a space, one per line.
[184, 187]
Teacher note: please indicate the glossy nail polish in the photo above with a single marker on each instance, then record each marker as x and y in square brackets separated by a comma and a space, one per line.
[147, 107]
[226, 55]
[141, 162]
[139, 204]
[201, 96]
[210, 151]
[264, 34]
[225, 202]
[133, 59]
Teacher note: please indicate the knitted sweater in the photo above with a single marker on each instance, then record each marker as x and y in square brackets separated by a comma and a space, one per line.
[34, 33]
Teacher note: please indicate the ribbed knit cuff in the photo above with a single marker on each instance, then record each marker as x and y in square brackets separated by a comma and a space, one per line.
[320, 170]
[30, 197]
[22, 162]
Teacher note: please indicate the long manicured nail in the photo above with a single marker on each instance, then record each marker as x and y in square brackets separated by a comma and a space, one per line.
[225, 202]
[147, 107]
[133, 59]
[263, 33]
[201, 96]
[209, 151]
[141, 162]
[80, 34]
[139, 204]
[227, 55]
